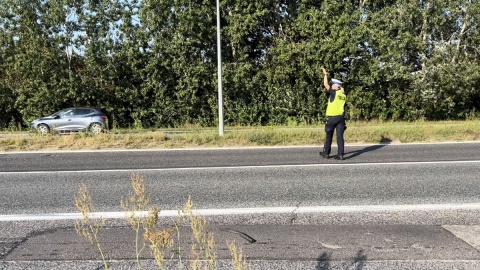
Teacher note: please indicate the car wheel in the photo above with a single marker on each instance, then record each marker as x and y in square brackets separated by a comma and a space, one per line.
[96, 128]
[43, 129]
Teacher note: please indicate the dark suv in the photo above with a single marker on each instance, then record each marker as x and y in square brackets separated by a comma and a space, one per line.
[72, 120]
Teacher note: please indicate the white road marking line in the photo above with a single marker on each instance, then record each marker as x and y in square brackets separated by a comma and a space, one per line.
[253, 167]
[253, 211]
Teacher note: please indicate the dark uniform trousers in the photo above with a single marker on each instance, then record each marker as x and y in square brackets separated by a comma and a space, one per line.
[335, 123]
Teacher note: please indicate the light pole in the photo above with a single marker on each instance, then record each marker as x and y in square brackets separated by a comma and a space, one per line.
[220, 92]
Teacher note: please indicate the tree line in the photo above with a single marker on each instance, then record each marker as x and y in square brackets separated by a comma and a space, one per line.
[153, 63]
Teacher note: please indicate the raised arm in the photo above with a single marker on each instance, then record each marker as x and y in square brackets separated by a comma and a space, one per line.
[325, 79]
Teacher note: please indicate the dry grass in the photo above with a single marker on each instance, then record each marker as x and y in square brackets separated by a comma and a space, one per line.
[361, 132]
[87, 227]
[415, 132]
[203, 254]
[161, 241]
[238, 260]
[139, 201]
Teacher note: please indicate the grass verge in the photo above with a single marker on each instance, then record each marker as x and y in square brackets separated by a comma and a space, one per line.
[357, 132]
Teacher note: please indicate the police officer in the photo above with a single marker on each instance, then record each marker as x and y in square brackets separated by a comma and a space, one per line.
[335, 114]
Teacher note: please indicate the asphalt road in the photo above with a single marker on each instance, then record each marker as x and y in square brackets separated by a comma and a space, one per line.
[33, 183]
[402, 192]
[155, 159]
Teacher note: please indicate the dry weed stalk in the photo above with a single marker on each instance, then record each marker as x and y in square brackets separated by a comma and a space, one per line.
[238, 261]
[160, 240]
[138, 201]
[203, 254]
[204, 244]
[86, 227]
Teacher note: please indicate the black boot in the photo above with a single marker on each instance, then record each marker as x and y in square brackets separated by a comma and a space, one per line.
[339, 157]
[324, 155]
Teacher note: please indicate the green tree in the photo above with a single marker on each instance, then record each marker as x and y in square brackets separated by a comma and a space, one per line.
[40, 55]
[448, 82]
[248, 31]
[7, 93]
[315, 34]
[379, 72]
[152, 63]
[104, 75]
[179, 76]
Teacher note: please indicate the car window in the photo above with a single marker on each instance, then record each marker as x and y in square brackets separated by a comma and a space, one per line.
[82, 111]
[66, 113]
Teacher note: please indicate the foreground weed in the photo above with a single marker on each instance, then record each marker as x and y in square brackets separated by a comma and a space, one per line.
[160, 240]
[204, 245]
[87, 227]
[138, 201]
[238, 260]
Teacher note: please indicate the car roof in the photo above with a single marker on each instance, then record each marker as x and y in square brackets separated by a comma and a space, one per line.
[97, 108]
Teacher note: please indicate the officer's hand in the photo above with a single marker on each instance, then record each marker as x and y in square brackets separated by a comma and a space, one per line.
[324, 71]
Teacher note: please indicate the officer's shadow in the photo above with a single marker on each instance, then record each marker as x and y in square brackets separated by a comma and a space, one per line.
[383, 142]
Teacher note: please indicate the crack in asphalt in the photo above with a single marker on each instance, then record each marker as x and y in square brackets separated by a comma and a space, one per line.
[294, 215]
[245, 236]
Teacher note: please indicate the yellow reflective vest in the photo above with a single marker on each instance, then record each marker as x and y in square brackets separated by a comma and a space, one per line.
[336, 107]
